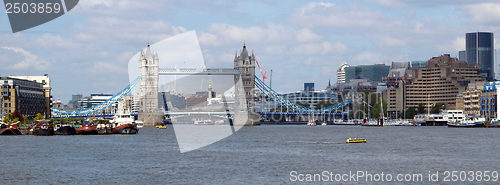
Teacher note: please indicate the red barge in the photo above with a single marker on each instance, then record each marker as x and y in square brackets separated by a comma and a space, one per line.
[43, 128]
[86, 128]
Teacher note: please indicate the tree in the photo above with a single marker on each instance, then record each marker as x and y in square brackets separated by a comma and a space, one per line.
[38, 116]
[421, 108]
[7, 118]
[437, 108]
[410, 113]
[18, 115]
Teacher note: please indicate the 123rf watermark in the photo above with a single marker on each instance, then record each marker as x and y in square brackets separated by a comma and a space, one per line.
[366, 176]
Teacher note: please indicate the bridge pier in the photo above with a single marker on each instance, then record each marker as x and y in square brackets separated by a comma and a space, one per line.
[244, 118]
[150, 118]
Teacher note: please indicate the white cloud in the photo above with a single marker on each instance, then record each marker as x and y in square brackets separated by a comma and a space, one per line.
[306, 35]
[368, 58]
[484, 12]
[321, 15]
[458, 44]
[24, 60]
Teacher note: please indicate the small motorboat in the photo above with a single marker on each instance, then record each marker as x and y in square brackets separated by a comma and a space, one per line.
[311, 123]
[161, 126]
[324, 123]
[356, 140]
[139, 123]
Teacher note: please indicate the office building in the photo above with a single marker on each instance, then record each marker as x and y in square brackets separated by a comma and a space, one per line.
[471, 99]
[462, 55]
[45, 81]
[480, 50]
[373, 73]
[441, 81]
[25, 96]
[312, 98]
[308, 86]
[96, 99]
[341, 73]
[489, 100]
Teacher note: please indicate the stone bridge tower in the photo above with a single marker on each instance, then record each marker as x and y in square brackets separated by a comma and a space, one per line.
[246, 65]
[148, 68]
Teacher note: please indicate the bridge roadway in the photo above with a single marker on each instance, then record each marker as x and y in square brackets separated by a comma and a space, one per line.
[198, 71]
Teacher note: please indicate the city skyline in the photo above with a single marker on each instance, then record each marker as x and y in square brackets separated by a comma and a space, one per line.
[301, 41]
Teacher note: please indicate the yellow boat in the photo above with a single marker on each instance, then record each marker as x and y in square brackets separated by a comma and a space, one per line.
[355, 140]
[161, 126]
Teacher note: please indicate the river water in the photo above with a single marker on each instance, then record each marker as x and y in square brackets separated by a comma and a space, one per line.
[254, 155]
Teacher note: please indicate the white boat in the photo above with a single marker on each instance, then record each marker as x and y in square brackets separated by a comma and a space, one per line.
[139, 123]
[311, 123]
[204, 122]
[324, 123]
[122, 118]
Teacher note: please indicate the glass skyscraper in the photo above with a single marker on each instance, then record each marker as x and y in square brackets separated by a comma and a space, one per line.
[373, 73]
[480, 50]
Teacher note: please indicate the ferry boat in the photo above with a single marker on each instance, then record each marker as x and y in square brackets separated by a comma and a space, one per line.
[356, 140]
[465, 124]
[442, 119]
[43, 128]
[124, 124]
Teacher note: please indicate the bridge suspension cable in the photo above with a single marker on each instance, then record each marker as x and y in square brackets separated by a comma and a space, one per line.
[102, 105]
[291, 105]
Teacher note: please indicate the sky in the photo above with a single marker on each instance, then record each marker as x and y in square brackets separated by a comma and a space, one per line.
[88, 49]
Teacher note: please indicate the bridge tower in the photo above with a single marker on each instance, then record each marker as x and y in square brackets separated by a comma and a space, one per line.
[148, 67]
[246, 65]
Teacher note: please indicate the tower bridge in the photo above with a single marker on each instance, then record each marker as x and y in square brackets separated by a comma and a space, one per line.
[245, 81]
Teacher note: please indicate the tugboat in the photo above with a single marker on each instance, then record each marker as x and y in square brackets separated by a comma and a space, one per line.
[66, 130]
[9, 130]
[43, 128]
[86, 129]
[104, 127]
[124, 124]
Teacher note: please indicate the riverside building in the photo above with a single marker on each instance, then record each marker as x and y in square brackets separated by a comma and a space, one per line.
[440, 81]
[24, 96]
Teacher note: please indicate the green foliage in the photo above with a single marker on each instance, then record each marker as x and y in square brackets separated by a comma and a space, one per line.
[410, 113]
[7, 118]
[18, 115]
[421, 108]
[38, 116]
[437, 108]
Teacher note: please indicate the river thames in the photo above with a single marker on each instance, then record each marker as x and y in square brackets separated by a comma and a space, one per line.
[254, 155]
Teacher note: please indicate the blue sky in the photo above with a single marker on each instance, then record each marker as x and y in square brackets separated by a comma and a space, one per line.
[87, 50]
